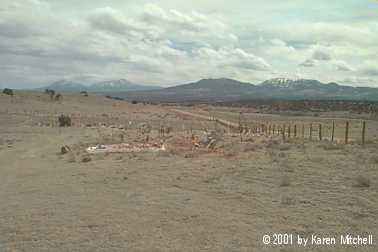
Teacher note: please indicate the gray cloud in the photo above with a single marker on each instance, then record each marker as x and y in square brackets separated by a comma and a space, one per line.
[308, 63]
[369, 69]
[342, 66]
[158, 43]
[321, 55]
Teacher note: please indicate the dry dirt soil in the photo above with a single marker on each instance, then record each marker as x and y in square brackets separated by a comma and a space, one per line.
[183, 199]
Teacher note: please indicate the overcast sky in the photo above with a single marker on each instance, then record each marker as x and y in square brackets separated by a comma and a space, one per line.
[167, 42]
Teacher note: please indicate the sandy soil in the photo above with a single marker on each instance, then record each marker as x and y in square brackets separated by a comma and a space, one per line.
[184, 199]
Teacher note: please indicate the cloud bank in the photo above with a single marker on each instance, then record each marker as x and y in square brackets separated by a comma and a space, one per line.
[156, 43]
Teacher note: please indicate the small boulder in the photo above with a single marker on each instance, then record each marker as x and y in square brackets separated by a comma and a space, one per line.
[64, 149]
[86, 159]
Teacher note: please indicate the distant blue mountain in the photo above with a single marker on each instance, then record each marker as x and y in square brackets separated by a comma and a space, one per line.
[112, 86]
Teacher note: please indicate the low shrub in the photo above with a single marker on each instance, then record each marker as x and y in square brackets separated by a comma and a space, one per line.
[362, 181]
[285, 181]
[8, 91]
[64, 121]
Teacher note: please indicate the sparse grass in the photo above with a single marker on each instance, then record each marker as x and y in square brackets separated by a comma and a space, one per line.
[289, 201]
[71, 158]
[374, 159]
[231, 150]
[284, 147]
[285, 181]
[282, 154]
[190, 155]
[331, 146]
[273, 143]
[250, 147]
[362, 181]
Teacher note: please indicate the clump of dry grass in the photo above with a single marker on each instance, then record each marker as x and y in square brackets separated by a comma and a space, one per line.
[273, 143]
[288, 201]
[167, 153]
[285, 147]
[64, 121]
[331, 146]
[229, 153]
[250, 147]
[71, 158]
[285, 181]
[282, 154]
[374, 159]
[362, 181]
[231, 150]
[190, 155]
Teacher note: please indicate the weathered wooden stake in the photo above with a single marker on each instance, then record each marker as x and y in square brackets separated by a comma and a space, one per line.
[295, 130]
[320, 132]
[310, 131]
[363, 132]
[289, 131]
[333, 131]
[346, 132]
[283, 132]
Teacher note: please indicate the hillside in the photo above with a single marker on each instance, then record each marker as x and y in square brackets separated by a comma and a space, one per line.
[224, 90]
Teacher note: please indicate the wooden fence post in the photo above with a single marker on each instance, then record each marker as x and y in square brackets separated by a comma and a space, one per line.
[333, 131]
[346, 132]
[283, 132]
[310, 131]
[289, 131]
[240, 127]
[320, 132]
[295, 130]
[363, 132]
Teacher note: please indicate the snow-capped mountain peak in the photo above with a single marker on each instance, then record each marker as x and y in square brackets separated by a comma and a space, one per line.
[290, 83]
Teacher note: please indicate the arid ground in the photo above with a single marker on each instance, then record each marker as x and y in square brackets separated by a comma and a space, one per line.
[187, 198]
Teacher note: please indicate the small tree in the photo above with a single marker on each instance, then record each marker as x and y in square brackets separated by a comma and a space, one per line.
[8, 91]
[64, 121]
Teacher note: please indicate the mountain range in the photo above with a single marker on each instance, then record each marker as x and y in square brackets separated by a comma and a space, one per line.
[103, 87]
[224, 90]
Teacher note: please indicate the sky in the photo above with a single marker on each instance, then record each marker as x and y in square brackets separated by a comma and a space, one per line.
[170, 42]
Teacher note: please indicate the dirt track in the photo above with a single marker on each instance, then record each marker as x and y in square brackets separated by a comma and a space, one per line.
[199, 116]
